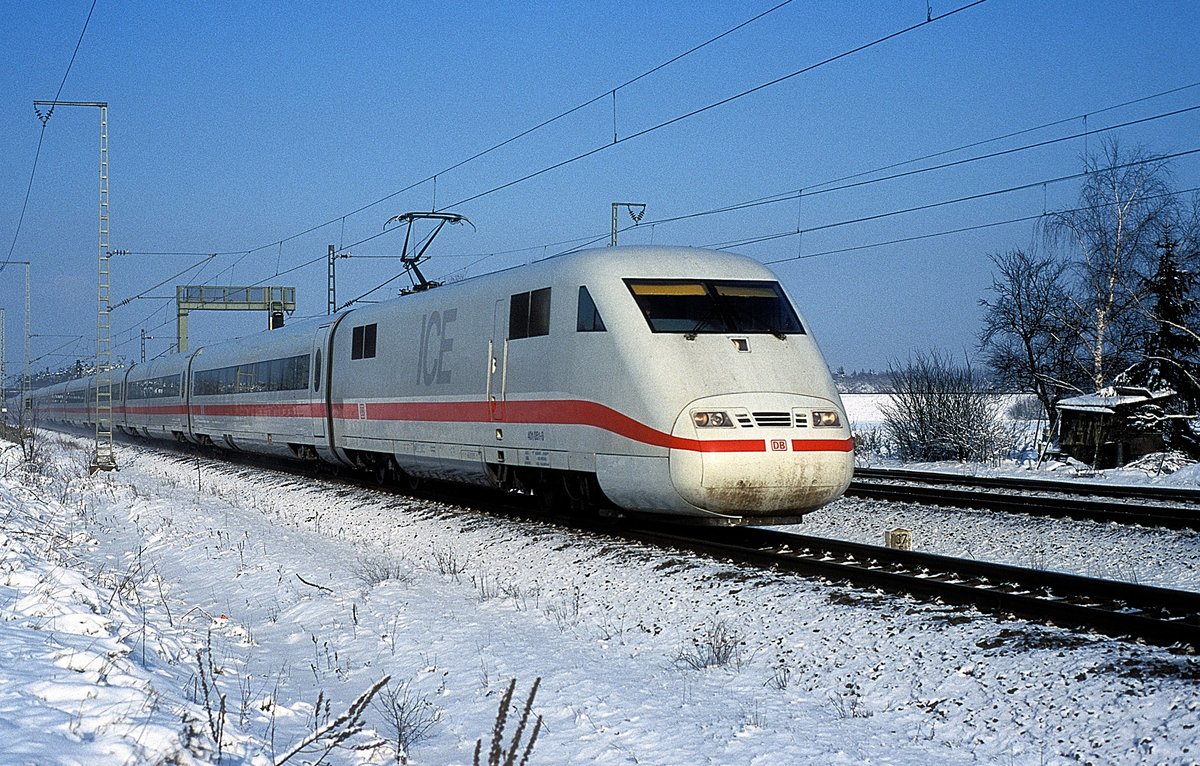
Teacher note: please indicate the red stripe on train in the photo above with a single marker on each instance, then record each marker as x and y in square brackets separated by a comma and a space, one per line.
[558, 412]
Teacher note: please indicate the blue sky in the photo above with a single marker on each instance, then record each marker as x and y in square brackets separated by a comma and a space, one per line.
[235, 126]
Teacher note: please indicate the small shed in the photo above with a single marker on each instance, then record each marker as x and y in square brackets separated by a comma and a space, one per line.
[1112, 426]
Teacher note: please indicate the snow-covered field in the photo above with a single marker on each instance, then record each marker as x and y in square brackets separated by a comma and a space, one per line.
[124, 596]
[866, 414]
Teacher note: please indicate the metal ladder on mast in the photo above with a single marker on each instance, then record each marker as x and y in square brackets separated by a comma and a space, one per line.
[104, 459]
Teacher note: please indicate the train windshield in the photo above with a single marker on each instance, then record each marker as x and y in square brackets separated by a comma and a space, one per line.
[714, 306]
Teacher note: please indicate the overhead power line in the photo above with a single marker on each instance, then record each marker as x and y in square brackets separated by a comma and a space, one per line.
[616, 139]
[809, 192]
[722, 102]
[584, 241]
[943, 233]
[1014, 134]
[668, 122]
[824, 186]
[499, 145]
[944, 203]
[41, 135]
[174, 276]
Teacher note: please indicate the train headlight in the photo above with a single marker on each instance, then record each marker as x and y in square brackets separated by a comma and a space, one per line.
[712, 419]
[826, 419]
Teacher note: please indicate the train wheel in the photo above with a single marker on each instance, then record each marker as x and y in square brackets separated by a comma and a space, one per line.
[582, 495]
[550, 494]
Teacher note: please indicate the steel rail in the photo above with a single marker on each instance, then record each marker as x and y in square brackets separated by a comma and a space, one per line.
[1124, 505]
[1066, 485]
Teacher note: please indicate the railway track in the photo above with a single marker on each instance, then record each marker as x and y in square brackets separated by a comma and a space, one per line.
[1159, 616]
[1148, 506]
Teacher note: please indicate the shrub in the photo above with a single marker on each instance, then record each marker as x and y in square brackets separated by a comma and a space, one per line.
[940, 411]
[718, 645]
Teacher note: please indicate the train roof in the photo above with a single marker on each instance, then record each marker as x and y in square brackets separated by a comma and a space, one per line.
[646, 261]
[642, 261]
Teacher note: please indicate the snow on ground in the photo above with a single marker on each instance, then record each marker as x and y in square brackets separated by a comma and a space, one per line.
[124, 596]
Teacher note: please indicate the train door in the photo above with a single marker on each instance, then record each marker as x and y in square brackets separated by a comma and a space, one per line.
[320, 384]
[188, 392]
[497, 380]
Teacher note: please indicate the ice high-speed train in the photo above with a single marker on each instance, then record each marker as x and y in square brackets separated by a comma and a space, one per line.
[670, 381]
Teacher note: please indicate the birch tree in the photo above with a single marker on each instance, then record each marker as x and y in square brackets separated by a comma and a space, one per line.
[1125, 202]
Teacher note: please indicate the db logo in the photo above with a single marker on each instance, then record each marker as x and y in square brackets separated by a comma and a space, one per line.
[779, 445]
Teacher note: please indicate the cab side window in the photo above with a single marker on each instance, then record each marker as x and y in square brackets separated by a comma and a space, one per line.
[588, 318]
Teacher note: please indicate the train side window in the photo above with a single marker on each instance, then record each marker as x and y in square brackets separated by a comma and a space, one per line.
[588, 319]
[529, 314]
[317, 370]
[539, 312]
[362, 341]
[299, 367]
[369, 334]
[518, 316]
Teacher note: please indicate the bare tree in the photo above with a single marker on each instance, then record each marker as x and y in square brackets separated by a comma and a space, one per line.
[939, 411]
[1026, 337]
[1124, 204]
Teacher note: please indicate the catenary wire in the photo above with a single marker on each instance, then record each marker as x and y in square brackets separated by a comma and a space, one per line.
[947, 232]
[700, 110]
[646, 131]
[41, 135]
[816, 187]
[785, 196]
[807, 192]
[523, 133]
[729, 99]
[943, 203]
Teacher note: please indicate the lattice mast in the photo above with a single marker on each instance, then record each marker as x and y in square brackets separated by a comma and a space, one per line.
[3, 355]
[104, 458]
[26, 378]
[24, 414]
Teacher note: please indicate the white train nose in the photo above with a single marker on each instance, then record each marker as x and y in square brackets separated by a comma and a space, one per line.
[761, 454]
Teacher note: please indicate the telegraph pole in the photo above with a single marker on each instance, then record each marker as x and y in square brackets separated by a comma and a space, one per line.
[104, 459]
